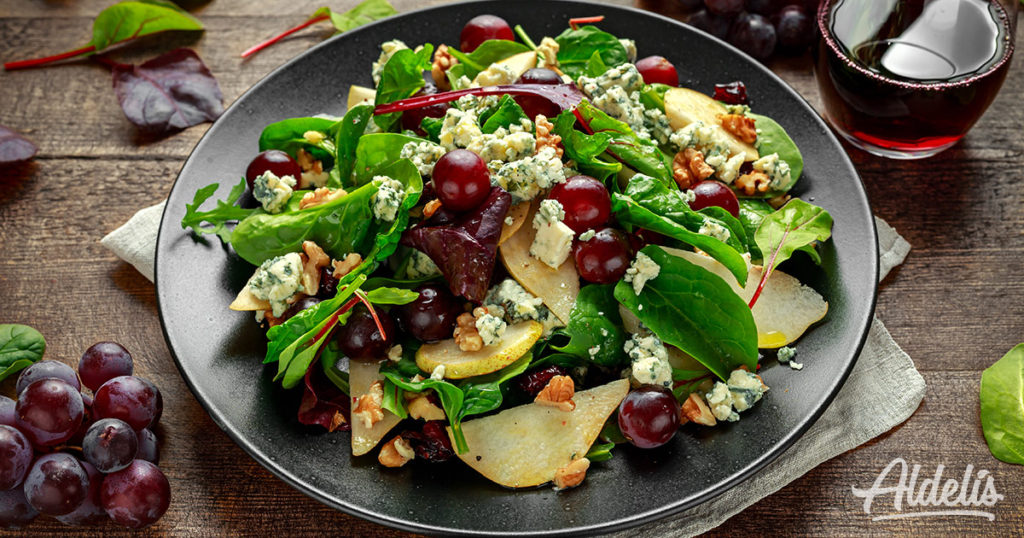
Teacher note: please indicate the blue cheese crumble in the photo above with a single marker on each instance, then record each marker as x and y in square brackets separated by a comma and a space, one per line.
[387, 50]
[649, 358]
[510, 301]
[495, 75]
[272, 192]
[491, 328]
[505, 145]
[775, 168]
[641, 271]
[742, 390]
[420, 266]
[459, 129]
[277, 280]
[422, 154]
[786, 354]
[388, 199]
[524, 179]
[553, 241]
[587, 235]
[713, 229]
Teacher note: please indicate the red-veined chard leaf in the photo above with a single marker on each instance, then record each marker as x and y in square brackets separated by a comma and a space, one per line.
[324, 403]
[15, 148]
[364, 13]
[794, 226]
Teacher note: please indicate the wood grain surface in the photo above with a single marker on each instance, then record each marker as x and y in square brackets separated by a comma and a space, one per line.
[954, 306]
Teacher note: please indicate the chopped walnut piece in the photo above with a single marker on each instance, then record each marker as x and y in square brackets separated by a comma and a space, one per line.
[396, 452]
[307, 163]
[431, 207]
[558, 393]
[739, 125]
[421, 407]
[314, 259]
[753, 182]
[545, 138]
[572, 474]
[689, 168]
[313, 137]
[466, 335]
[344, 267]
[367, 407]
[320, 196]
[695, 409]
[443, 61]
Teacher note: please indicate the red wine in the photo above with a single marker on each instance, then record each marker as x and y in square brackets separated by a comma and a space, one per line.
[908, 78]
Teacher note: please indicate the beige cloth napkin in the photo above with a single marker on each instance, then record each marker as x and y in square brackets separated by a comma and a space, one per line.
[865, 407]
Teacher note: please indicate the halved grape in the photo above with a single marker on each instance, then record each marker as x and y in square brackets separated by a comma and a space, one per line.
[102, 362]
[49, 411]
[56, 484]
[15, 457]
[136, 496]
[110, 445]
[91, 511]
[127, 398]
[47, 369]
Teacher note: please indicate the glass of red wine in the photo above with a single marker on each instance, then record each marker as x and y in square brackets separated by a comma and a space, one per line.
[906, 79]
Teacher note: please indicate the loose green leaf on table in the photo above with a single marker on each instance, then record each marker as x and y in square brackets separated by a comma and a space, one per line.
[20, 346]
[693, 309]
[1002, 406]
[794, 226]
[225, 212]
[364, 13]
[595, 328]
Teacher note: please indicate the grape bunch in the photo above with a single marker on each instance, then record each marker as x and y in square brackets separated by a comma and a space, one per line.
[79, 458]
[757, 27]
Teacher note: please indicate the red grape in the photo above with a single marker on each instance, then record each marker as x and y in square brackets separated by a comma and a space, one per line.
[482, 28]
[360, 339]
[715, 193]
[91, 511]
[57, 484]
[726, 8]
[110, 445]
[649, 416]
[539, 75]
[328, 284]
[461, 180]
[272, 160]
[15, 457]
[691, 4]
[731, 93]
[136, 496]
[126, 398]
[300, 305]
[15, 512]
[604, 258]
[7, 412]
[149, 449]
[793, 28]
[47, 369]
[753, 34]
[586, 202]
[49, 412]
[658, 70]
[431, 316]
[764, 7]
[102, 362]
[710, 23]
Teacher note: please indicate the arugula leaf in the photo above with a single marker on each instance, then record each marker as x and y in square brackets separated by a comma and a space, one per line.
[594, 322]
[226, 211]
[693, 309]
[507, 113]
[287, 136]
[1002, 406]
[576, 47]
[490, 51]
[772, 138]
[640, 154]
[20, 346]
[364, 13]
[584, 149]
[402, 77]
[795, 226]
[649, 204]
[391, 296]
[377, 150]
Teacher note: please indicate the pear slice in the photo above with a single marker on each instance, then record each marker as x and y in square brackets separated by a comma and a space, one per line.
[516, 64]
[558, 288]
[684, 106]
[524, 446]
[785, 309]
[360, 376]
[458, 364]
[247, 302]
[517, 214]
[358, 95]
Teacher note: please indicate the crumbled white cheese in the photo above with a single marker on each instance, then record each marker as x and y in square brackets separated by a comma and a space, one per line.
[495, 75]
[515, 304]
[491, 329]
[641, 271]
[593, 350]
[552, 244]
[272, 192]
[547, 53]
[649, 358]
[438, 373]
[775, 168]
[742, 390]
[459, 129]
[277, 280]
[713, 229]
[786, 354]
[422, 154]
[388, 198]
[420, 266]
[509, 221]
[549, 212]
[387, 50]
[587, 235]
[630, 47]
[505, 145]
[524, 179]
[395, 353]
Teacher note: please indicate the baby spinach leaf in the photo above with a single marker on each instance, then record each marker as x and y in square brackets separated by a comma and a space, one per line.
[772, 138]
[15, 148]
[795, 226]
[432, 126]
[377, 150]
[1002, 406]
[652, 96]
[693, 309]
[595, 65]
[129, 20]
[752, 212]
[226, 211]
[506, 114]
[585, 149]
[600, 452]
[490, 51]
[402, 77]
[575, 48]
[390, 296]
[346, 141]
[381, 282]
[594, 322]
[450, 395]
[649, 204]
[20, 346]
[737, 234]
[687, 381]
[364, 13]
[640, 154]
[170, 92]
[287, 136]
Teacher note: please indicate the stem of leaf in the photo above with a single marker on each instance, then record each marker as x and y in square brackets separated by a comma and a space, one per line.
[767, 271]
[283, 35]
[521, 32]
[575, 23]
[25, 64]
[111, 64]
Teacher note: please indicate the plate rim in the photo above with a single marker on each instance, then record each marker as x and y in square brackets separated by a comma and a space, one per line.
[698, 498]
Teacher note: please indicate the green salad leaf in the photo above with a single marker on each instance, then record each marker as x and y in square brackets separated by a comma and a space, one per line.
[225, 212]
[20, 346]
[490, 51]
[364, 13]
[390, 296]
[450, 395]
[795, 226]
[375, 151]
[346, 142]
[287, 136]
[401, 78]
[693, 309]
[506, 114]
[640, 154]
[594, 324]
[129, 20]
[772, 138]
[584, 149]
[1002, 406]
[752, 212]
[576, 47]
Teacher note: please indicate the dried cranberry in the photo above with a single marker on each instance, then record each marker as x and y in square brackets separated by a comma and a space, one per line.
[431, 443]
[328, 284]
[733, 93]
[533, 382]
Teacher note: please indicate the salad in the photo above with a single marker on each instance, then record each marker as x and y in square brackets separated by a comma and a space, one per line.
[521, 253]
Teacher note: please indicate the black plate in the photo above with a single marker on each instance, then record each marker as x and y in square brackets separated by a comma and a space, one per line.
[219, 351]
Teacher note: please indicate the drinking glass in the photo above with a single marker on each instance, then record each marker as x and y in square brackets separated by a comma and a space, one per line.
[906, 79]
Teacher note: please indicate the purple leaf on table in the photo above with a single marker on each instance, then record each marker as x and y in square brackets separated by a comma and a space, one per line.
[15, 148]
[170, 92]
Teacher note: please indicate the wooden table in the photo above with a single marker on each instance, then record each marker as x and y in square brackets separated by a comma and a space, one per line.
[954, 306]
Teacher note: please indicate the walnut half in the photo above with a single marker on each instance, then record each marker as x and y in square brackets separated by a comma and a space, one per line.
[739, 125]
[367, 407]
[443, 61]
[689, 168]
[695, 409]
[558, 393]
[466, 335]
[396, 452]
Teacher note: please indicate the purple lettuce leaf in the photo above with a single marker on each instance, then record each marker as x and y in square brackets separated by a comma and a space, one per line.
[323, 403]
